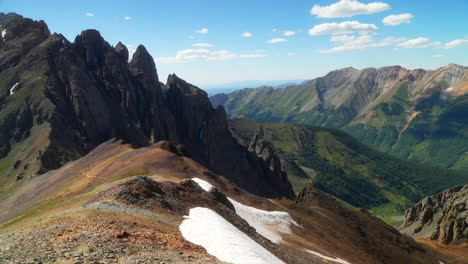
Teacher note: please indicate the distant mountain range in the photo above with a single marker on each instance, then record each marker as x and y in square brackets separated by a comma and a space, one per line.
[417, 115]
[213, 89]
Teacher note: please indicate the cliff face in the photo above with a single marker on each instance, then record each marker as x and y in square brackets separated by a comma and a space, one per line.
[442, 217]
[59, 100]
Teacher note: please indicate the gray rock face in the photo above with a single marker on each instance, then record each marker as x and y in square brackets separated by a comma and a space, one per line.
[442, 217]
[272, 158]
[74, 96]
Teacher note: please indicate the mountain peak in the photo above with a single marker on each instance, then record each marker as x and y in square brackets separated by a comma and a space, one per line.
[122, 50]
[142, 66]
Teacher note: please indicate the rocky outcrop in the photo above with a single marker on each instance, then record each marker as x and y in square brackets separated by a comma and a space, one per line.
[271, 156]
[74, 96]
[442, 217]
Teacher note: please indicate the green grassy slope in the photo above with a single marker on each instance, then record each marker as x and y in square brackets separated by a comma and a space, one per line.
[350, 170]
[426, 125]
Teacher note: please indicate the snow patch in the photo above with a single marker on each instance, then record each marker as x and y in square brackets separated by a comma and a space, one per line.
[3, 34]
[203, 184]
[337, 260]
[13, 88]
[221, 239]
[268, 224]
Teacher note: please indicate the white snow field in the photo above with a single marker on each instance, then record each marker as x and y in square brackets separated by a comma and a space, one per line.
[203, 184]
[268, 224]
[337, 260]
[12, 90]
[221, 239]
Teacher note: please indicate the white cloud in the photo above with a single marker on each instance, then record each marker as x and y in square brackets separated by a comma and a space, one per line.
[191, 55]
[341, 28]
[456, 43]
[418, 43]
[202, 45]
[89, 14]
[361, 42]
[202, 31]
[395, 20]
[259, 51]
[127, 17]
[437, 56]
[246, 35]
[276, 40]
[289, 33]
[255, 55]
[274, 30]
[348, 8]
[292, 54]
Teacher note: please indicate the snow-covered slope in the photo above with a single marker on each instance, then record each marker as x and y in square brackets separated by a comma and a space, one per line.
[336, 260]
[268, 224]
[221, 239]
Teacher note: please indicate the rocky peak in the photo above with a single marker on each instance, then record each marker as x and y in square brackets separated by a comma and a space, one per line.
[122, 50]
[85, 93]
[143, 67]
[173, 81]
[441, 217]
[91, 46]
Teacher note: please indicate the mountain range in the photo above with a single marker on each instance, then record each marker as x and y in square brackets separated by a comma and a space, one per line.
[100, 162]
[418, 115]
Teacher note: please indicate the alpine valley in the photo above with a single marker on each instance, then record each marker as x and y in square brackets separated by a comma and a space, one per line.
[101, 162]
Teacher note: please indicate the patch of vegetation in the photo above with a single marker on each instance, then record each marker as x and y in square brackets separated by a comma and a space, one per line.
[350, 170]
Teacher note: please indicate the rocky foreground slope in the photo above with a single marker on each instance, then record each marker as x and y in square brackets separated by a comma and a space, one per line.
[420, 115]
[442, 217]
[94, 211]
[61, 99]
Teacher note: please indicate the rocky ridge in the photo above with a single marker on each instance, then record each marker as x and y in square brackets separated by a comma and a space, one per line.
[72, 96]
[442, 217]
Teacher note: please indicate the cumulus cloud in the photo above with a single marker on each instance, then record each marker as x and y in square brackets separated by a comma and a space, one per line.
[341, 28]
[202, 31]
[361, 42]
[456, 43]
[395, 20]
[90, 14]
[191, 55]
[289, 33]
[246, 35]
[418, 43]
[292, 54]
[127, 17]
[276, 40]
[348, 8]
[202, 45]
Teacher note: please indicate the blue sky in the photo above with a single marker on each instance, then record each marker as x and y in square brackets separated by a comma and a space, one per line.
[202, 42]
